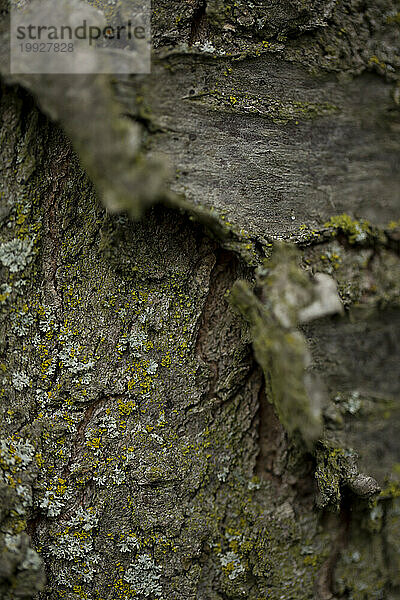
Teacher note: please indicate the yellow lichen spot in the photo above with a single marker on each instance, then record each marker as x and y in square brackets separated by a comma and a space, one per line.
[94, 443]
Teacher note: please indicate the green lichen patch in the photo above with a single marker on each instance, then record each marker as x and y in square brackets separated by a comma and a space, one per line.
[355, 231]
[335, 466]
[279, 348]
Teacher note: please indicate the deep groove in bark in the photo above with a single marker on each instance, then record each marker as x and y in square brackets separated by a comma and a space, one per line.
[271, 438]
[222, 276]
[324, 582]
[199, 21]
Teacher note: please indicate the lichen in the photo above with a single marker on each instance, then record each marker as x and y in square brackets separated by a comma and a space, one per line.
[16, 254]
[356, 231]
[280, 112]
[280, 349]
[131, 425]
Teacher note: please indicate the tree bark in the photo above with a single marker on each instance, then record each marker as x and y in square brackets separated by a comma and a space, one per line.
[200, 319]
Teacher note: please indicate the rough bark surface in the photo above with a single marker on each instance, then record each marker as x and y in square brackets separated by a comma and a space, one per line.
[188, 411]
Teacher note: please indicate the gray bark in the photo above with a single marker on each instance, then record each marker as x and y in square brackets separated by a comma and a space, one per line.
[189, 408]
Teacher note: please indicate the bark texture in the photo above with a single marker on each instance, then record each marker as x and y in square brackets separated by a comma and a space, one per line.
[192, 408]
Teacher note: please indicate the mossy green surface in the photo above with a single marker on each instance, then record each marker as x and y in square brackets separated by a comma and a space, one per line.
[279, 348]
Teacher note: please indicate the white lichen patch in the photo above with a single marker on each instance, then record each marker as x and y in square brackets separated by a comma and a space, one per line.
[85, 519]
[5, 292]
[152, 368]
[137, 342]
[16, 254]
[21, 323]
[16, 452]
[20, 381]
[129, 544]
[70, 547]
[231, 565]
[143, 575]
[55, 497]
[73, 360]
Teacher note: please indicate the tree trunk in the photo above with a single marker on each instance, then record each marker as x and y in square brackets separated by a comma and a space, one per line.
[190, 407]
